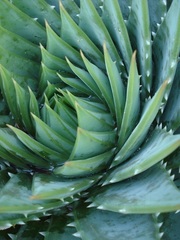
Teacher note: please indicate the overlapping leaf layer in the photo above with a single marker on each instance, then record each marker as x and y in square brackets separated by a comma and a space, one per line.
[89, 119]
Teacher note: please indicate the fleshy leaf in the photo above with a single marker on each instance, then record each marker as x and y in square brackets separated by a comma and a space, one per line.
[157, 147]
[54, 187]
[117, 86]
[166, 52]
[75, 36]
[140, 131]
[140, 34]
[149, 192]
[39, 10]
[84, 167]
[92, 224]
[89, 143]
[132, 104]
[20, 23]
[113, 19]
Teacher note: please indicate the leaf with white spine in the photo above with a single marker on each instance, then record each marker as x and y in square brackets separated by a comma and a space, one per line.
[40, 10]
[137, 136]
[102, 82]
[84, 167]
[11, 144]
[86, 78]
[89, 143]
[132, 104]
[92, 224]
[140, 35]
[96, 29]
[75, 36]
[53, 62]
[149, 192]
[92, 120]
[76, 84]
[166, 52]
[113, 19]
[116, 85]
[19, 45]
[20, 23]
[157, 147]
[54, 42]
[38, 148]
[54, 187]
[48, 137]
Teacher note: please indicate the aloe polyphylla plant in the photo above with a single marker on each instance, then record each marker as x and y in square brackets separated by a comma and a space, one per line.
[90, 119]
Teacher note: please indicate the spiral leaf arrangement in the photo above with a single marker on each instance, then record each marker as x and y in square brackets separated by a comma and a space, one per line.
[89, 119]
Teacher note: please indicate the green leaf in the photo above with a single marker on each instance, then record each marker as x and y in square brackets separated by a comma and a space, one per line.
[85, 103]
[11, 144]
[85, 167]
[117, 86]
[48, 137]
[48, 76]
[8, 220]
[170, 225]
[159, 145]
[11, 158]
[93, 224]
[20, 23]
[102, 82]
[40, 10]
[86, 78]
[33, 104]
[54, 42]
[113, 19]
[166, 47]
[22, 98]
[58, 124]
[140, 35]
[66, 113]
[157, 12]
[149, 192]
[58, 229]
[23, 70]
[53, 62]
[38, 148]
[76, 37]
[140, 131]
[19, 45]
[171, 114]
[89, 143]
[15, 195]
[96, 29]
[92, 120]
[77, 84]
[8, 91]
[54, 187]
[132, 104]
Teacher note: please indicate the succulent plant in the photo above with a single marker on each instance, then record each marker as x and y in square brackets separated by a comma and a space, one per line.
[89, 119]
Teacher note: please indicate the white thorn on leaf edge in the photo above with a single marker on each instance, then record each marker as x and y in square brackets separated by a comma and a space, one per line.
[161, 234]
[172, 177]
[72, 224]
[101, 207]
[77, 234]
[91, 205]
[157, 214]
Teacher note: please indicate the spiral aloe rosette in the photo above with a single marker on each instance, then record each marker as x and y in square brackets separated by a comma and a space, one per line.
[90, 148]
